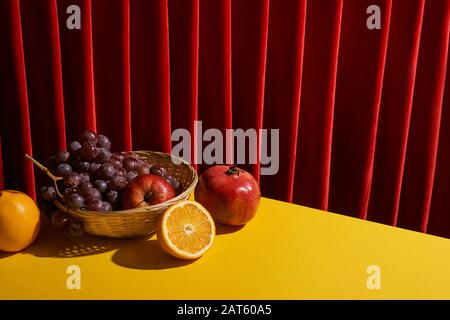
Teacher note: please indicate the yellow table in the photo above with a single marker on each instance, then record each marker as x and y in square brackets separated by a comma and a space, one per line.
[286, 252]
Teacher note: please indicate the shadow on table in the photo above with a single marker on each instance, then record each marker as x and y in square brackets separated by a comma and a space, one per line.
[146, 254]
[65, 249]
[140, 253]
[224, 229]
[53, 244]
[6, 254]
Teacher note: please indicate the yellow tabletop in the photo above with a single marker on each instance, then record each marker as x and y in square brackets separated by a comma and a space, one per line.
[286, 252]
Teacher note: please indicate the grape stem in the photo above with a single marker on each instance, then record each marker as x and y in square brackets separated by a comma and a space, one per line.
[47, 172]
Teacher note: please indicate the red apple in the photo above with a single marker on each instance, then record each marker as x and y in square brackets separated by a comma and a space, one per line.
[230, 194]
[146, 190]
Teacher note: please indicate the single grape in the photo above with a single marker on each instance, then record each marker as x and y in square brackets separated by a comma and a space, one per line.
[88, 150]
[49, 194]
[93, 169]
[131, 175]
[62, 156]
[106, 171]
[113, 197]
[72, 180]
[95, 205]
[143, 169]
[74, 148]
[121, 172]
[88, 136]
[75, 201]
[175, 183]
[117, 164]
[93, 194]
[73, 230]
[59, 219]
[117, 183]
[118, 156]
[158, 170]
[41, 189]
[63, 169]
[129, 163]
[81, 166]
[85, 177]
[103, 155]
[84, 188]
[103, 142]
[107, 206]
[101, 185]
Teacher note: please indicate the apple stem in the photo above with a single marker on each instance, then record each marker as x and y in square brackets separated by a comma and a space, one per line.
[148, 196]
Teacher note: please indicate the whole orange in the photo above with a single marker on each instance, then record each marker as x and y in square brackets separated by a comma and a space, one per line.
[19, 220]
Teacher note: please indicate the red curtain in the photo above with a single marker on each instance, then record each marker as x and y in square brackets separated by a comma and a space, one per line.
[363, 114]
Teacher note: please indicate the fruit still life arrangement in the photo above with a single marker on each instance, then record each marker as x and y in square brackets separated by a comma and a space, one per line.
[129, 194]
[112, 194]
[95, 179]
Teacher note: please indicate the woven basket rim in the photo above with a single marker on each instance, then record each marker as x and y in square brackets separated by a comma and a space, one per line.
[60, 204]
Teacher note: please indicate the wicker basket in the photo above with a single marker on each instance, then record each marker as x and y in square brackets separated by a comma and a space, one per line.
[133, 222]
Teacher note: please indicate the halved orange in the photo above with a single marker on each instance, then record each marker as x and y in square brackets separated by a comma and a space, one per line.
[186, 230]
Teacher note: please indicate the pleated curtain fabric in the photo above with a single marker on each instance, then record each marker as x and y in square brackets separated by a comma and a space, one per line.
[363, 114]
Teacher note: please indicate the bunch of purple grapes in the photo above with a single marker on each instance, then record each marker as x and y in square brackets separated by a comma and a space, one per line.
[93, 176]
[72, 229]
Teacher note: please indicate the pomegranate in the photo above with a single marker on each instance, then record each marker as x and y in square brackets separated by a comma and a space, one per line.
[229, 193]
